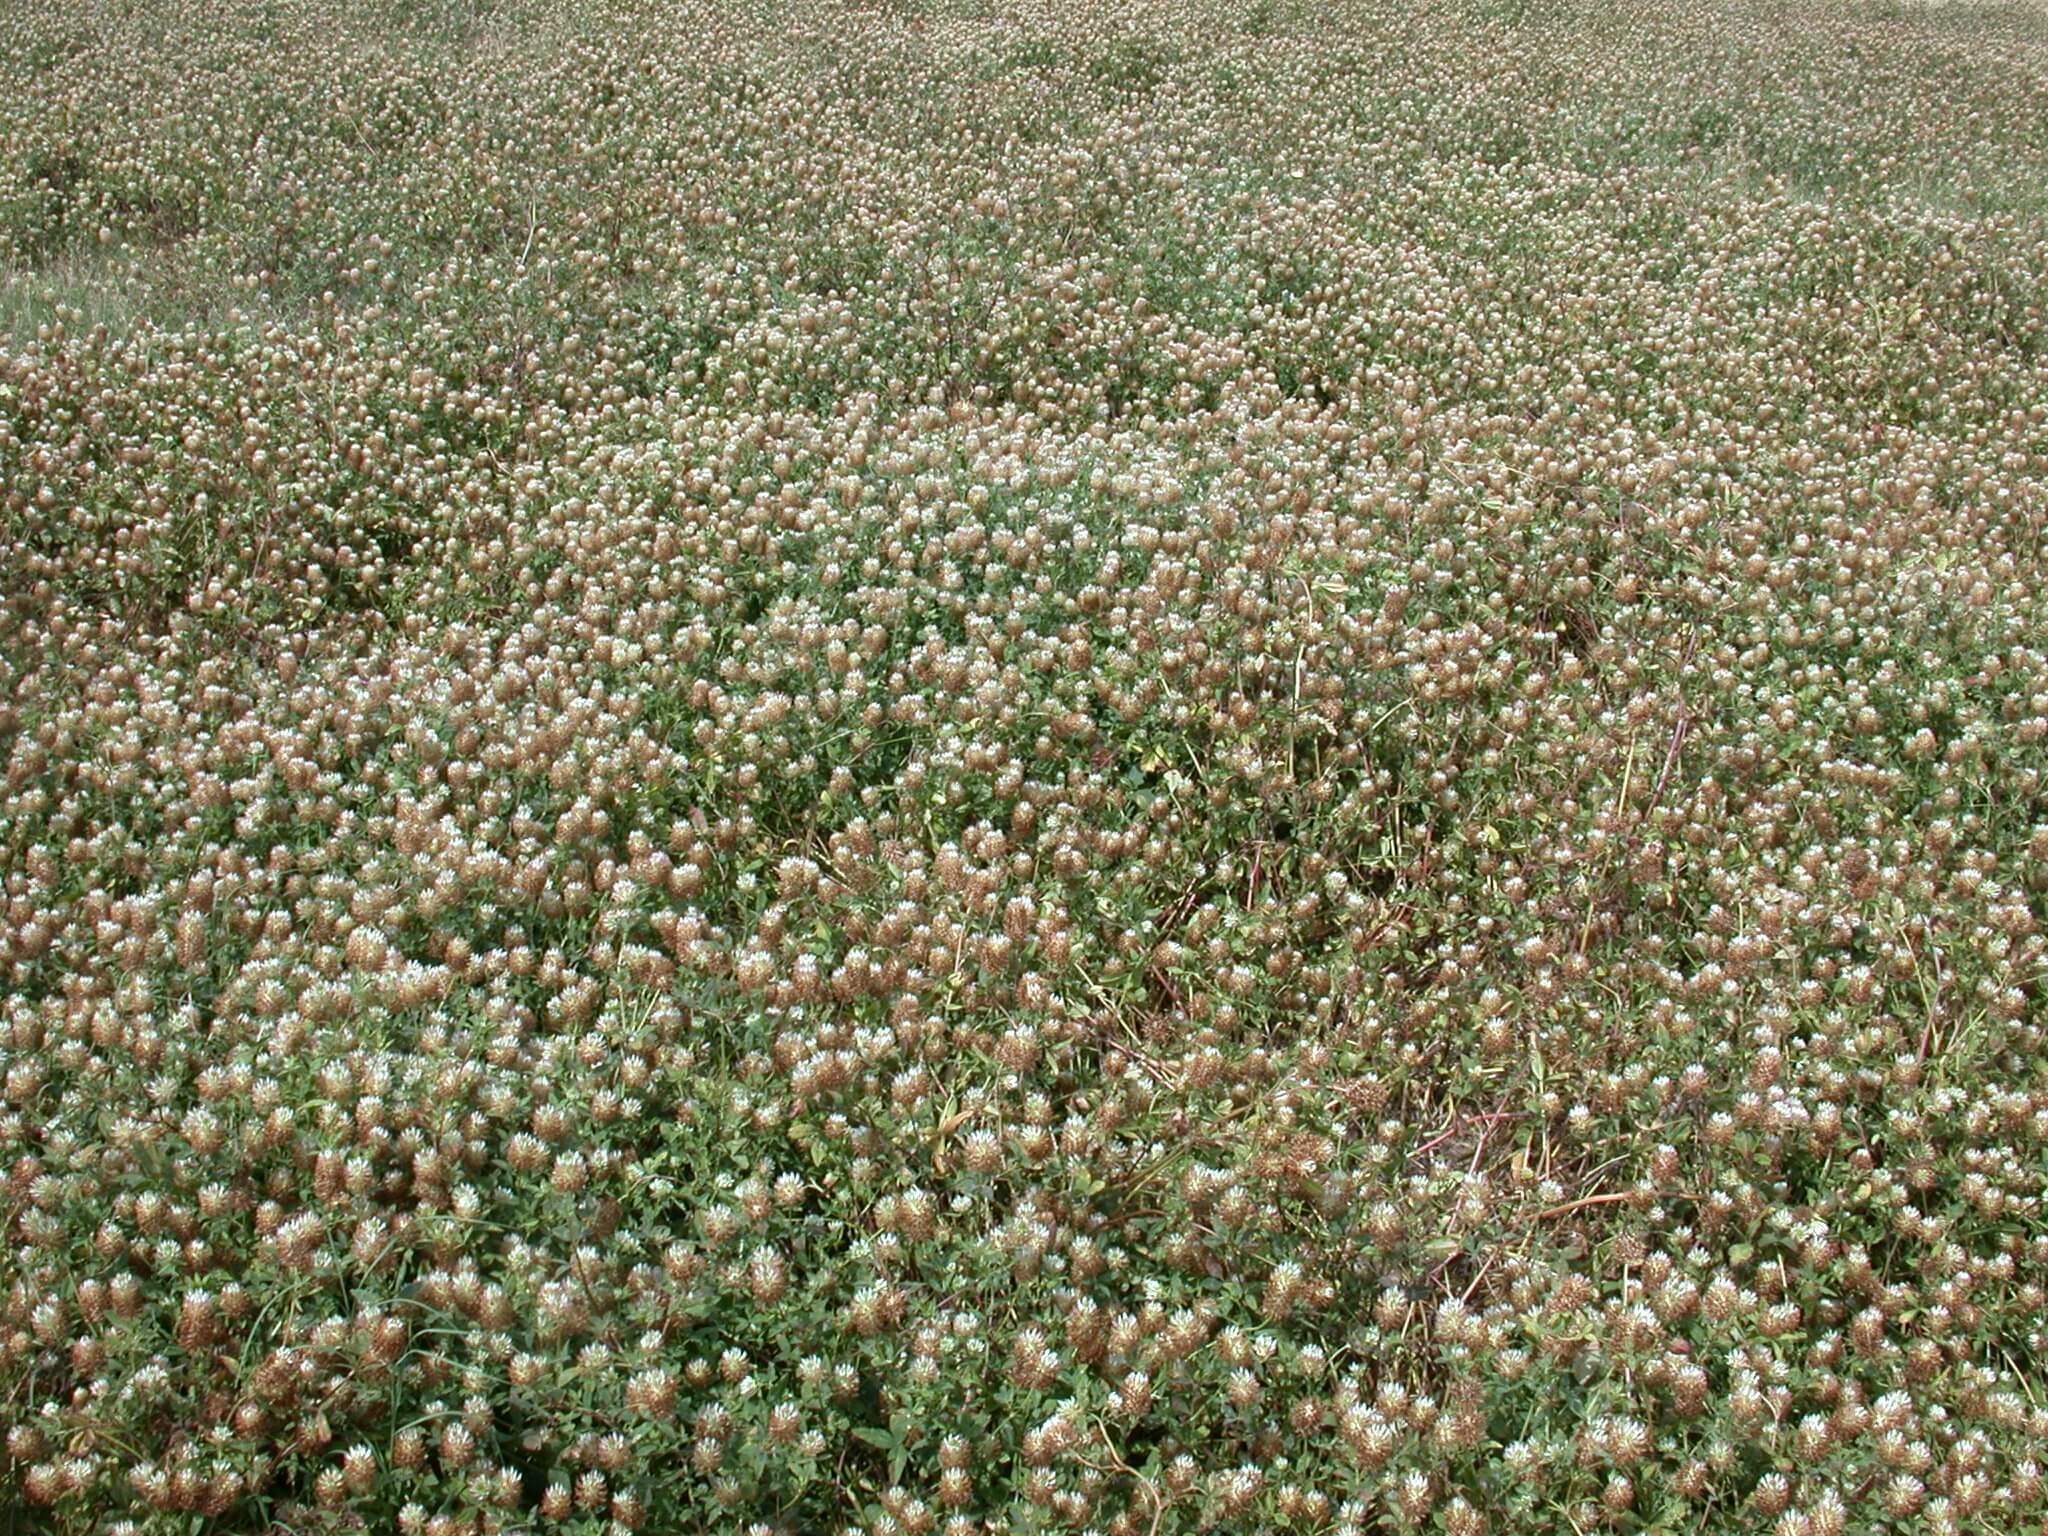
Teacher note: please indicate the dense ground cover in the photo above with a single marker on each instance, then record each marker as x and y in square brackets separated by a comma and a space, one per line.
[971, 767]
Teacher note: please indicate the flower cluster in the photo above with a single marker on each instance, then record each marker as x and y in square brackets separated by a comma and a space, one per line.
[948, 768]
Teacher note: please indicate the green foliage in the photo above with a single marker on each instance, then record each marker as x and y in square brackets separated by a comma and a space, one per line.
[913, 769]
